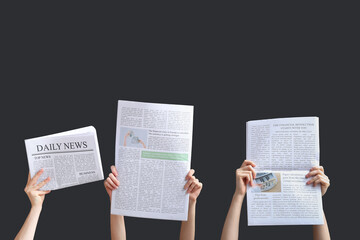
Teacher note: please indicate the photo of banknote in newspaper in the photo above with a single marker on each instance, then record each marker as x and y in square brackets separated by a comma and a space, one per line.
[267, 182]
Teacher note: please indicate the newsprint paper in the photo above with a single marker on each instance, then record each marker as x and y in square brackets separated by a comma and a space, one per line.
[284, 150]
[68, 158]
[152, 156]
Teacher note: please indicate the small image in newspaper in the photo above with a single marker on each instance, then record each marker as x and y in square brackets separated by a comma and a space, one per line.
[68, 158]
[267, 182]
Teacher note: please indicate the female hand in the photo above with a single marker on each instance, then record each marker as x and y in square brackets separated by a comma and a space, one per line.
[244, 175]
[111, 183]
[35, 195]
[193, 186]
[318, 177]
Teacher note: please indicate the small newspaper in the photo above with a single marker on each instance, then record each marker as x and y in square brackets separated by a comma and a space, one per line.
[284, 150]
[68, 158]
[152, 156]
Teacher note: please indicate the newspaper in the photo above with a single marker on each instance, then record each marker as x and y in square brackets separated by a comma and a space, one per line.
[152, 156]
[68, 158]
[284, 150]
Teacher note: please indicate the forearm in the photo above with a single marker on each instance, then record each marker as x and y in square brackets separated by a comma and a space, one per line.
[321, 232]
[117, 225]
[187, 231]
[27, 231]
[231, 225]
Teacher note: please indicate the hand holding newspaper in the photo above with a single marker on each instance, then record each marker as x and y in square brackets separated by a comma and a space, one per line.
[284, 150]
[68, 158]
[152, 157]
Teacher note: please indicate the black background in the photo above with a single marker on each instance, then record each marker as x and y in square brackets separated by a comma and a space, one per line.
[65, 66]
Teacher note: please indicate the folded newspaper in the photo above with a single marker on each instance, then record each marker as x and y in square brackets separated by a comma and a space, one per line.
[68, 158]
[284, 150]
[152, 156]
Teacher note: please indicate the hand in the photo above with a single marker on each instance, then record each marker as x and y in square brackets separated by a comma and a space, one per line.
[111, 183]
[35, 195]
[318, 176]
[193, 186]
[244, 175]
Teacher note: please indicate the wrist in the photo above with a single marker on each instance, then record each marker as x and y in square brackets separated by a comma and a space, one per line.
[238, 195]
[36, 208]
[192, 201]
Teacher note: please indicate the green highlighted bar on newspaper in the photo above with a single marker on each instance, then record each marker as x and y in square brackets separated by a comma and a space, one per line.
[165, 155]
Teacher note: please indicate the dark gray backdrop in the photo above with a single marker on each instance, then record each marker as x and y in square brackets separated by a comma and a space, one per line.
[65, 67]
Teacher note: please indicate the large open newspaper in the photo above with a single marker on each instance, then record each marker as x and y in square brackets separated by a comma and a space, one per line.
[68, 158]
[284, 150]
[152, 156]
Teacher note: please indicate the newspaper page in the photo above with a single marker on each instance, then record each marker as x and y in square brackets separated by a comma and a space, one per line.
[153, 155]
[284, 150]
[68, 158]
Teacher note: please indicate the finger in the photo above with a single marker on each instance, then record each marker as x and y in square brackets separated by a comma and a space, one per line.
[106, 184]
[248, 162]
[191, 187]
[190, 173]
[108, 187]
[29, 178]
[323, 180]
[41, 184]
[321, 168]
[314, 173]
[250, 168]
[189, 182]
[114, 170]
[245, 177]
[34, 180]
[313, 179]
[316, 182]
[108, 180]
[114, 180]
[198, 186]
[249, 177]
[327, 180]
